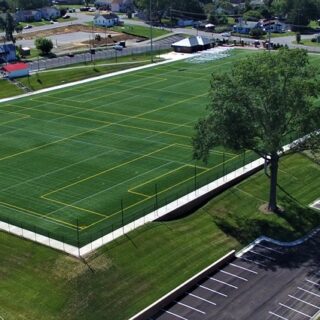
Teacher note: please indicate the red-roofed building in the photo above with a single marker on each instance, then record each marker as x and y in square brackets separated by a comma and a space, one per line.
[15, 70]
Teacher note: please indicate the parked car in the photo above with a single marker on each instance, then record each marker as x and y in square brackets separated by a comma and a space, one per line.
[117, 47]
[225, 34]
[28, 26]
[66, 16]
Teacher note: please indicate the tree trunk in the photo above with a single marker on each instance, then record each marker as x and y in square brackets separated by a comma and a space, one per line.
[272, 206]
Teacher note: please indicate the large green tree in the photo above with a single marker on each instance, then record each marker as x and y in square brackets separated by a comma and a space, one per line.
[258, 105]
[44, 45]
[7, 24]
[31, 4]
[299, 13]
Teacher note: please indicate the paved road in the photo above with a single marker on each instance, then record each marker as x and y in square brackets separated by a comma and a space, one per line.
[269, 282]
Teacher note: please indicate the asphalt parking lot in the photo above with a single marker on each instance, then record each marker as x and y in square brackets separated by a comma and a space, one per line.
[269, 282]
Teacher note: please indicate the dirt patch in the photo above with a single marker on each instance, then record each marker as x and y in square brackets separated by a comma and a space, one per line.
[264, 209]
[71, 29]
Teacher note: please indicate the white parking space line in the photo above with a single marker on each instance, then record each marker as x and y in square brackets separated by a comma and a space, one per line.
[306, 315]
[314, 283]
[217, 292]
[262, 255]
[250, 260]
[233, 275]
[192, 308]
[175, 315]
[227, 284]
[243, 268]
[268, 248]
[308, 303]
[310, 292]
[203, 299]
[280, 317]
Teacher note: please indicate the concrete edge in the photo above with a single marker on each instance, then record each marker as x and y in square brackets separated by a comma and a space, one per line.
[316, 316]
[280, 243]
[181, 289]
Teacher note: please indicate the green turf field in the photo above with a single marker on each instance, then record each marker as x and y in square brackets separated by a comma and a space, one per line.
[101, 154]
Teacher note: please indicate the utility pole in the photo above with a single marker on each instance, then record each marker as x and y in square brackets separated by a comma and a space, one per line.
[151, 40]
[269, 46]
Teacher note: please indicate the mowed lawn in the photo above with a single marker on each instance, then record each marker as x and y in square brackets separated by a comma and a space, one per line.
[125, 276]
[100, 154]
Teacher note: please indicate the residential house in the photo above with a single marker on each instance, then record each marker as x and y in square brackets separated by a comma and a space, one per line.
[256, 3]
[7, 53]
[28, 15]
[50, 13]
[106, 20]
[244, 27]
[185, 22]
[67, 2]
[114, 5]
[275, 26]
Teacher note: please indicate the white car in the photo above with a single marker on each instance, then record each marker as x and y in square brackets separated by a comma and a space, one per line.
[226, 35]
[117, 47]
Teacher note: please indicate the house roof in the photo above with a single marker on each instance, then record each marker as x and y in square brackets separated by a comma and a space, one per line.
[192, 42]
[15, 67]
[247, 24]
[107, 16]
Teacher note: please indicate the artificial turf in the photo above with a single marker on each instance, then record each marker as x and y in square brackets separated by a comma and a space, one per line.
[128, 274]
[100, 154]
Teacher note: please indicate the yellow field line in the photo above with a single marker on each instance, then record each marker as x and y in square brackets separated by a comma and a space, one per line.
[107, 112]
[14, 120]
[117, 212]
[214, 151]
[107, 122]
[50, 143]
[72, 206]
[138, 193]
[107, 170]
[33, 213]
[166, 174]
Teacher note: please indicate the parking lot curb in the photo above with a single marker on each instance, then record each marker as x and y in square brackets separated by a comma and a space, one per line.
[316, 316]
[277, 242]
[189, 284]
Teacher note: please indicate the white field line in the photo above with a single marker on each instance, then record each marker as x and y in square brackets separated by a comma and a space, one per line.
[252, 261]
[187, 306]
[268, 248]
[174, 314]
[262, 255]
[309, 292]
[203, 299]
[303, 301]
[233, 275]
[214, 291]
[276, 315]
[243, 268]
[295, 310]
[225, 283]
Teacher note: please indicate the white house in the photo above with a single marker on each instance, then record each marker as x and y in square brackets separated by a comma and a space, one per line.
[106, 20]
[50, 13]
[114, 5]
